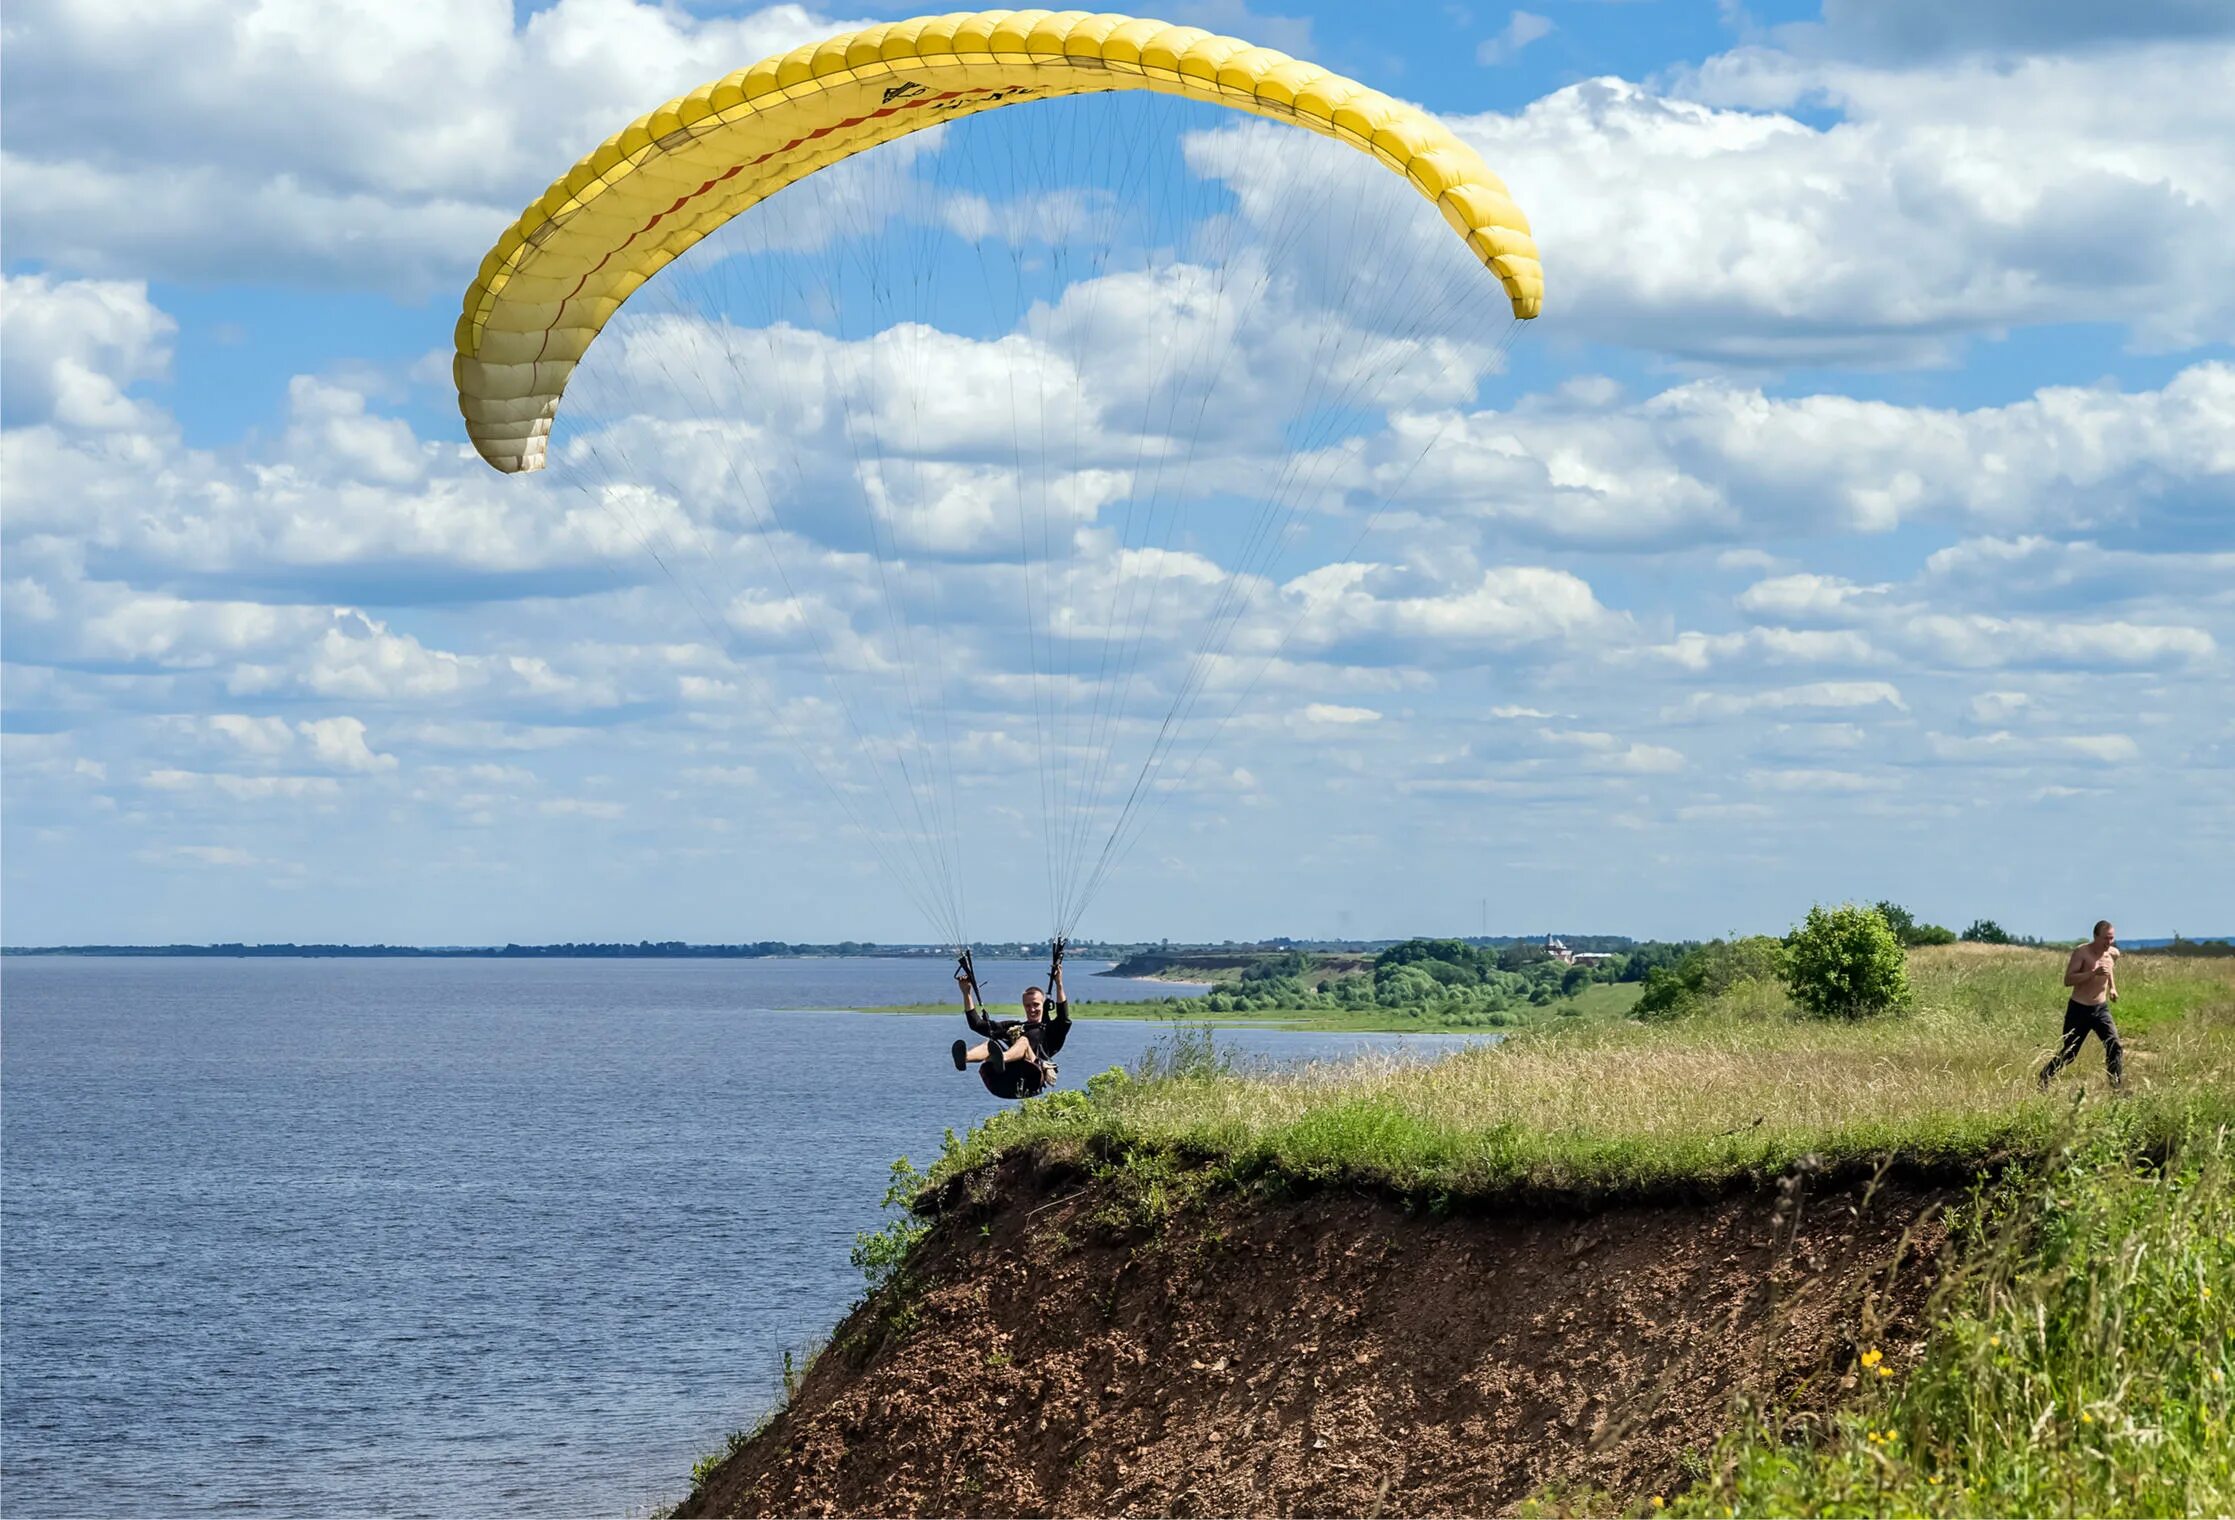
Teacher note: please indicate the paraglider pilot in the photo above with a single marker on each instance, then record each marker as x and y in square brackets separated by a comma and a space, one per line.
[1015, 1059]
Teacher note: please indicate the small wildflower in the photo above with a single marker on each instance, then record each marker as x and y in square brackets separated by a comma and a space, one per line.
[2218, 1376]
[1871, 1357]
[1659, 1502]
[1995, 1341]
[1936, 1480]
[2086, 1418]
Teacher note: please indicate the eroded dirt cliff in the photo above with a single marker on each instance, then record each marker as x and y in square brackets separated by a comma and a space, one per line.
[1058, 1348]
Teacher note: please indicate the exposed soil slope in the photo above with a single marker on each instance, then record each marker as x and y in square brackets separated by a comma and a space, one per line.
[1333, 1354]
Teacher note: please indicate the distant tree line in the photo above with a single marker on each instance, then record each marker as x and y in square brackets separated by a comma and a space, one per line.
[1459, 982]
[2180, 946]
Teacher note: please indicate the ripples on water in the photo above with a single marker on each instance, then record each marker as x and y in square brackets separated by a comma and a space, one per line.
[428, 1237]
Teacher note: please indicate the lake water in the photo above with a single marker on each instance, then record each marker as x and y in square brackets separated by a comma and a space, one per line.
[429, 1237]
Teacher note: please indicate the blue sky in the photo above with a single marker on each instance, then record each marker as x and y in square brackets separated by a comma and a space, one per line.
[1856, 522]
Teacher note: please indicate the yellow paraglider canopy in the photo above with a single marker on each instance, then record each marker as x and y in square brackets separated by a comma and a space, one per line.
[653, 190]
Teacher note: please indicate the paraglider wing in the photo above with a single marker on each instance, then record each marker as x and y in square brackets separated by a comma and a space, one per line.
[653, 190]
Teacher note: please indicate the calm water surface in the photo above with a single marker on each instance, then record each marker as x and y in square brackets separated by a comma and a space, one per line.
[436, 1237]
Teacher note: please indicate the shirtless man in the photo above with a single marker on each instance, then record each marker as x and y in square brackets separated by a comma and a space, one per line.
[2093, 976]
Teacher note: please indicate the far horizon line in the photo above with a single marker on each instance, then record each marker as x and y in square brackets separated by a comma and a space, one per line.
[646, 949]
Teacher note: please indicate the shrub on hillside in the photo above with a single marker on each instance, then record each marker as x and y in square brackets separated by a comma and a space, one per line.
[1846, 963]
[1986, 931]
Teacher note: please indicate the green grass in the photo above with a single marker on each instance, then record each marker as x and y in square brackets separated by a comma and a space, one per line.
[1601, 1000]
[1607, 1106]
[2082, 1360]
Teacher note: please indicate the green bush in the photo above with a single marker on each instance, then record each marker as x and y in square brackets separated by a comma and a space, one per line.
[1846, 963]
[1665, 996]
[1986, 931]
[879, 1255]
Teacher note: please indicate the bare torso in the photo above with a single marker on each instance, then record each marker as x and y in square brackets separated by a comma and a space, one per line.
[2091, 973]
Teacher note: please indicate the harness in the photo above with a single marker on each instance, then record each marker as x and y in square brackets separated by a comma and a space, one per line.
[1015, 1079]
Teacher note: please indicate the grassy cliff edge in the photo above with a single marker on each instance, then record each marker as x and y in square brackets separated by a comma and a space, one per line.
[2082, 1303]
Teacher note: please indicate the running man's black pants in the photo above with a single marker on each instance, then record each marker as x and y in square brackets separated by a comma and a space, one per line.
[2080, 1020]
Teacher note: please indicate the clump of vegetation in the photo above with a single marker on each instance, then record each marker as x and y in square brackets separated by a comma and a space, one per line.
[1985, 931]
[1454, 980]
[2082, 1360]
[704, 1467]
[1188, 1051]
[1845, 963]
[879, 1255]
[1712, 971]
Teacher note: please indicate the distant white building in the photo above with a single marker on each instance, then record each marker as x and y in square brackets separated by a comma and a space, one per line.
[1559, 951]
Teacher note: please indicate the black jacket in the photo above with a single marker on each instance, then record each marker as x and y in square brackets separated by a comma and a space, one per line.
[1047, 1036]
